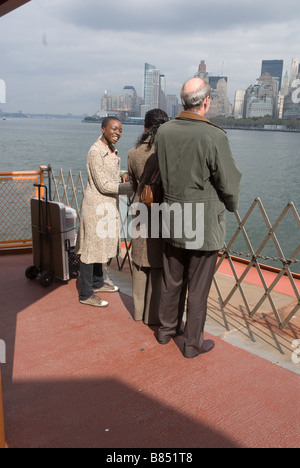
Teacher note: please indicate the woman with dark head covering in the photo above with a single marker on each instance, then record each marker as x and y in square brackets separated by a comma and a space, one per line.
[146, 253]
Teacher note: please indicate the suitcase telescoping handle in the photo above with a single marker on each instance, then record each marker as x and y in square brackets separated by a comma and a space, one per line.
[39, 186]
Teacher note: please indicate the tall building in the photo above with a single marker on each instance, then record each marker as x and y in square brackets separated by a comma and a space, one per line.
[172, 105]
[162, 103]
[220, 105]
[274, 68]
[214, 80]
[154, 89]
[130, 90]
[261, 100]
[285, 84]
[202, 71]
[151, 86]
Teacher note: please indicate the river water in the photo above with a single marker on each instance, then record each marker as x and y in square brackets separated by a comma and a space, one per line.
[269, 162]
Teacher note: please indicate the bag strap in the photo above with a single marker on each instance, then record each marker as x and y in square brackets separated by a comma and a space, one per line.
[155, 175]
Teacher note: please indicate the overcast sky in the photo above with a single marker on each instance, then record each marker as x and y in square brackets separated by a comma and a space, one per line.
[58, 56]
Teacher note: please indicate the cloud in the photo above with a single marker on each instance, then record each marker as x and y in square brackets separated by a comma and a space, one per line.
[60, 56]
[175, 16]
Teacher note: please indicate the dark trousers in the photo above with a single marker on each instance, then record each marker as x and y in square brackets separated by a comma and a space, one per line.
[91, 278]
[198, 267]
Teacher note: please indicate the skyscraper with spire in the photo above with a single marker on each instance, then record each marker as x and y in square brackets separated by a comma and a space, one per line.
[202, 72]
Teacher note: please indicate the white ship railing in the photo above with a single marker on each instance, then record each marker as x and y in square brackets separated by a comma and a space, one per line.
[70, 191]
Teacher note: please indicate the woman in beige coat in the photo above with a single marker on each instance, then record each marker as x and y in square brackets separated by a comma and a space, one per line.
[147, 254]
[98, 237]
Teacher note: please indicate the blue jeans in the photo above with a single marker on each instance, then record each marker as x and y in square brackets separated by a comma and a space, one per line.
[91, 278]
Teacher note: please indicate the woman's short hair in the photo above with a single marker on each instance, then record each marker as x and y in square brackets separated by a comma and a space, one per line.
[197, 98]
[106, 121]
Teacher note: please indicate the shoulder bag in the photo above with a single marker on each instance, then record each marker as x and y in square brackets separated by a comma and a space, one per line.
[153, 191]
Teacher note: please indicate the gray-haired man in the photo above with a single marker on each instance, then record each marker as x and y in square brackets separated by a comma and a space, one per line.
[198, 171]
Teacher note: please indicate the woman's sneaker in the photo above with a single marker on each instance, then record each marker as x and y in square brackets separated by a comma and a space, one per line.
[107, 288]
[94, 301]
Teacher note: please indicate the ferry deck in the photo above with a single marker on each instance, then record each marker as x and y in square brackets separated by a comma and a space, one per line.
[76, 376]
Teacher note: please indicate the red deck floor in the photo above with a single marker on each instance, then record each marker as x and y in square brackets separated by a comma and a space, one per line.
[81, 377]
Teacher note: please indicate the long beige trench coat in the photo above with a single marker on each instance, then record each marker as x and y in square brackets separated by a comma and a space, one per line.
[98, 237]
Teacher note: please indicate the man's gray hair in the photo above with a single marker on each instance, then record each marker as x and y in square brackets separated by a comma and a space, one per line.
[197, 98]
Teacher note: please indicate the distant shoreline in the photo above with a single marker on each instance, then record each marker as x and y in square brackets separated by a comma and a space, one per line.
[20, 115]
[266, 128]
[259, 129]
[263, 124]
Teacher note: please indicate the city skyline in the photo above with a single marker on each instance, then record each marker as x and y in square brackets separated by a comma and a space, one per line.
[154, 94]
[59, 57]
[271, 94]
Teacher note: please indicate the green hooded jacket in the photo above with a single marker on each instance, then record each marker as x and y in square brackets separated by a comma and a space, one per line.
[200, 180]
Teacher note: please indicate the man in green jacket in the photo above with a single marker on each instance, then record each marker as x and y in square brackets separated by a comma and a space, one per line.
[200, 181]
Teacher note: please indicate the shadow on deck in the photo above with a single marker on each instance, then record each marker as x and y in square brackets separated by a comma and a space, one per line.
[81, 377]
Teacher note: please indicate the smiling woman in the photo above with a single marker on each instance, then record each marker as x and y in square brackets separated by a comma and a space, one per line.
[111, 132]
[95, 245]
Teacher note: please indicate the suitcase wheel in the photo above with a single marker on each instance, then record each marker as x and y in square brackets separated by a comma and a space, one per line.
[46, 279]
[31, 273]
